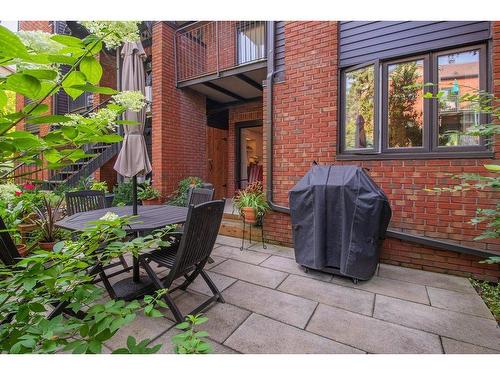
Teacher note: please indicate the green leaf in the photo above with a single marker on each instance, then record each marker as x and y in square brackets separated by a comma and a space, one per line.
[68, 40]
[23, 84]
[92, 69]
[3, 99]
[62, 59]
[36, 109]
[96, 89]
[70, 132]
[41, 73]
[131, 343]
[95, 347]
[50, 119]
[71, 83]
[492, 167]
[200, 320]
[127, 122]
[10, 44]
[110, 138]
[182, 325]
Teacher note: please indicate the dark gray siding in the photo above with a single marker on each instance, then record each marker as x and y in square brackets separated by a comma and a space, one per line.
[361, 41]
[279, 49]
[61, 104]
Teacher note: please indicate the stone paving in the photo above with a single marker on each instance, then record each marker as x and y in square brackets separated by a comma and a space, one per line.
[273, 306]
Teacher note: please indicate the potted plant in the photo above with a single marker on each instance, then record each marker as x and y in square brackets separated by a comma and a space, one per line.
[148, 194]
[251, 203]
[47, 215]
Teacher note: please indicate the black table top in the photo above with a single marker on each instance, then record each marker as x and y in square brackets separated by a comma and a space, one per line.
[148, 218]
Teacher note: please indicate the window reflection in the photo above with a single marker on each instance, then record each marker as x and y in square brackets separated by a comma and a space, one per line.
[458, 74]
[359, 109]
[406, 104]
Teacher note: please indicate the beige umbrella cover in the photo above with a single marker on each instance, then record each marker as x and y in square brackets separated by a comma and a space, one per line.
[133, 158]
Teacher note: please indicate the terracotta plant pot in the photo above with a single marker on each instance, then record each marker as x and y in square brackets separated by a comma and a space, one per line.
[249, 215]
[151, 202]
[26, 228]
[22, 249]
[46, 245]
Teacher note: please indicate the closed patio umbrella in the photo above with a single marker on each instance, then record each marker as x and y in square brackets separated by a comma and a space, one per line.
[133, 158]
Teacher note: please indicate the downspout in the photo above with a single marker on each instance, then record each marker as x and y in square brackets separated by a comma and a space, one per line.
[270, 119]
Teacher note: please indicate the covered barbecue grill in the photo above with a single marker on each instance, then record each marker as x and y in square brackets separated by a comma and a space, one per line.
[339, 219]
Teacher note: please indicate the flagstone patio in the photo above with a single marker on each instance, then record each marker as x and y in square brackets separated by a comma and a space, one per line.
[272, 306]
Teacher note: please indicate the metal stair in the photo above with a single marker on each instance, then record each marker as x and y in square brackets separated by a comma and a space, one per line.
[71, 174]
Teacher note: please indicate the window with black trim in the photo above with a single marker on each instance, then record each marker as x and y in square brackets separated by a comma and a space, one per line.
[384, 110]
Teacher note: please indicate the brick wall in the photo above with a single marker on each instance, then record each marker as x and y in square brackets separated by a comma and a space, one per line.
[245, 112]
[179, 119]
[305, 129]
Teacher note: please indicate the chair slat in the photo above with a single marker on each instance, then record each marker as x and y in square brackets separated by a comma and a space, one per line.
[86, 200]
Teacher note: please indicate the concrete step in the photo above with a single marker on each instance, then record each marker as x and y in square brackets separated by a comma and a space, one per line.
[232, 226]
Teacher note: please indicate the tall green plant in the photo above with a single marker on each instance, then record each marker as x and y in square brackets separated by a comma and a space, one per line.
[485, 106]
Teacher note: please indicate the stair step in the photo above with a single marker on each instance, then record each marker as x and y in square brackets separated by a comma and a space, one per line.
[234, 228]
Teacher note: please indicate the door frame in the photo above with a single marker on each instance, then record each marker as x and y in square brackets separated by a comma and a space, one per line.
[238, 127]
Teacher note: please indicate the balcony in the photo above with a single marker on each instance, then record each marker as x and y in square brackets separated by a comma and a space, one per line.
[225, 60]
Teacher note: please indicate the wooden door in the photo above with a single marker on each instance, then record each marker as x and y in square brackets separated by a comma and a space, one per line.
[217, 160]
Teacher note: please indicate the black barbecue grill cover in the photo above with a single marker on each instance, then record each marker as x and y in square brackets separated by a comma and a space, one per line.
[339, 219]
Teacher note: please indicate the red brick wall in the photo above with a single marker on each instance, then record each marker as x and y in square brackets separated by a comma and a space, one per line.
[179, 120]
[244, 112]
[305, 129]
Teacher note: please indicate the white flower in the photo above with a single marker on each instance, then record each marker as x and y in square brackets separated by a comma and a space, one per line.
[115, 33]
[104, 117]
[8, 192]
[39, 42]
[110, 216]
[131, 100]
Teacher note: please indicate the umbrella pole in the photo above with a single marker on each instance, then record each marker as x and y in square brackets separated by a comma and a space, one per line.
[134, 194]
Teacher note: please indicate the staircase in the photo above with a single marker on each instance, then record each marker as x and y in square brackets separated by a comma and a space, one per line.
[73, 173]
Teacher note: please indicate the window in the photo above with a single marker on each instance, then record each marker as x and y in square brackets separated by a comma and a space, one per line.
[359, 115]
[408, 123]
[251, 38]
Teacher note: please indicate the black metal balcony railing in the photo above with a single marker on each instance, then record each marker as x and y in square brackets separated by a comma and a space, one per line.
[205, 48]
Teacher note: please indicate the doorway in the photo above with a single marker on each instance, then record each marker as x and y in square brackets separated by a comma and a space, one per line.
[217, 160]
[249, 152]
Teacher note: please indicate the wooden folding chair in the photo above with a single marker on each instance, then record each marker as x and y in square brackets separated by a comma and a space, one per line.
[187, 257]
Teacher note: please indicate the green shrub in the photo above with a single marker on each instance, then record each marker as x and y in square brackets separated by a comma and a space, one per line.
[123, 194]
[179, 197]
[490, 292]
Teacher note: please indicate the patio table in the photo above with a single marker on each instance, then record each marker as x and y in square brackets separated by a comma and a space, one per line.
[148, 219]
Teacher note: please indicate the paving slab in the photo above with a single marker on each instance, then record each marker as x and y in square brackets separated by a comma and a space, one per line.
[221, 281]
[229, 241]
[289, 265]
[247, 256]
[167, 347]
[369, 334]
[262, 335]
[186, 301]
[461, 302]
[141, 328]
[282, 251]
[458, 326]
[251, 273]
[274, 304]
[223, 319]
[434, 279]
[459, 347]
[217, 260]
[388, 287]
[330, 294]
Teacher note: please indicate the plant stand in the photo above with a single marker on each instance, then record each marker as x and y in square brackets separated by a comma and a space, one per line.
[260, 223]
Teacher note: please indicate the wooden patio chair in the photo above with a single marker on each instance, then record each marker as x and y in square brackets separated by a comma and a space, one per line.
[187, 257]
[88, 200]
[199, 195]
[85, 200]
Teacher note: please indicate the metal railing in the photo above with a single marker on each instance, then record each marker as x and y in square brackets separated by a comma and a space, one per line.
[208, 47]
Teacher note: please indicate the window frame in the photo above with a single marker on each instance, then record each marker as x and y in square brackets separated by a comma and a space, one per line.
[376, 133]
[384, 122]
[429, 149]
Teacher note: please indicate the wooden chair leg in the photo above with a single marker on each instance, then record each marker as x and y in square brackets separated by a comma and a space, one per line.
[123, 261]
[212, 286]
[159, 285]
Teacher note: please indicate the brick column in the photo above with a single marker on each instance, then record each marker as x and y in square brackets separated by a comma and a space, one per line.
[179, 119]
